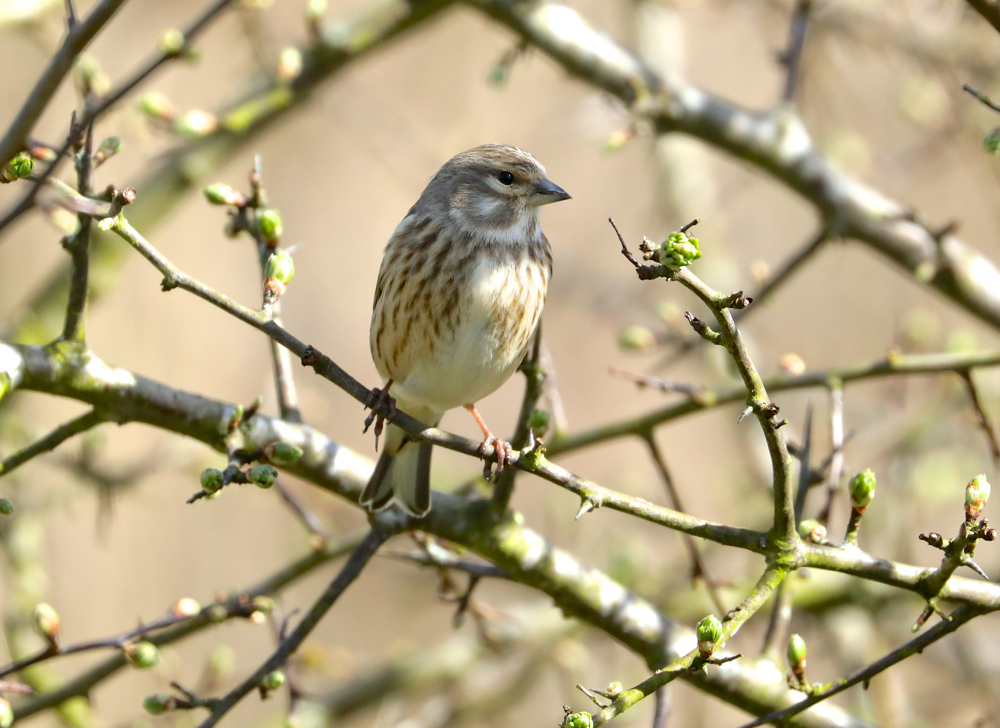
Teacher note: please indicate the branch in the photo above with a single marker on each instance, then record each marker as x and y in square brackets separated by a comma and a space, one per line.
[352, 569]
[989, 9]
[791, 59]
[774, 141]
[915, 646]
[78, 37]
[85, 682]
[78, 245]
[577, 589]
[53, 440]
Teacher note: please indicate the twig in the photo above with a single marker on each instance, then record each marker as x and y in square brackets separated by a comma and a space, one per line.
[305, 516]
[984, 420]
[534, 385]
[661, 711]
[78, 246]
[989, 9]
[788, 269]
[735, 619]
[560, 423]
[837, 442]
[352, 569]
[983, 98]
[77, 38]
[53, 440]
[84, 682]
[805, 467]
[915, 646]
[663, 385]
[95, 109]
[449, 561]
[791, 58]
[698, 567]
[777, 623]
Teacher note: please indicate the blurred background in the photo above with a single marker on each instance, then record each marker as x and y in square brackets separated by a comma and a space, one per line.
[104, 533]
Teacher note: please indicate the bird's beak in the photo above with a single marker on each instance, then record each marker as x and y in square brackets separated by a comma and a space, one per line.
[546, 192]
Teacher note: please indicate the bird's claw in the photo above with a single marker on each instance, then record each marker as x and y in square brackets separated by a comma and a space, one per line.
[504, 453]
[379, 399]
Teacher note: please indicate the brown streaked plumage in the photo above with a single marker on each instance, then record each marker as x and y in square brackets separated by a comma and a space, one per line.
[458, 299]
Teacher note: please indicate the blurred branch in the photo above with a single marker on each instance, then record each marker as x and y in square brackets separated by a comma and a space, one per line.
[578, 590]
[989, 9]
[894, 364]
[914, 647]
[53, 440]
[360, 557]
[186, 167]
[77, 38]
[984, 419]
[95, 108]
[78, 245]
[791, 58]
[774, 141]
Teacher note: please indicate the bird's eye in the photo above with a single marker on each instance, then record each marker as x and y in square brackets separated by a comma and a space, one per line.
[506, 178]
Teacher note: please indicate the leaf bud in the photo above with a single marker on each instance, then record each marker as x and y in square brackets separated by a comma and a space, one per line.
[280, 266]
[159, 704]
[6, 714]
[185, 607]
[45, 620]
[269, 225]
[579, 720]
[223, 194]
[196, 123]
[211, 479]
[636, 338]
[289, 65]
[812, 530]
[263, 604]
[20, 167]
[157, 106]
[273, 680]
[619, 138]
[142, 654]
[862, 489]
[678, 250]
[282, 453]
[797, 653]
[315, 10]
[614, 689]
[991, 142]
[90, 77]
[108, 148]
[6, 507]
[539, 422]
[709, 634]
[218, 613]
[977, 492]
[263, 476]
[172, 42]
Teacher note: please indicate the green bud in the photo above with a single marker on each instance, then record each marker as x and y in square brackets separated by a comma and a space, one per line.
[315, 10]
[614, 688]
[497, 75]
[977, 492]
[263, 476]
[991, 142]
[142, 654]
[812, 530]
[579, 720]
[158, 704]
[678, 250]
[6, 714]
[280, 266]
[108, 148]
[289, 65]
[636, 338]
[20, 166]
[269, 225]
[157, 106]
[6, 507]
[218, 613]
[185, 607]
[619, 139]
[211, 479]
[862, 489]
[196, 123]
[172, 42]
[263, 604]
[282, 453]
[223, 194]
[45, 620]
[709, 634]
[539, 421]
[797, 652]
[273, 680]
[90, 76]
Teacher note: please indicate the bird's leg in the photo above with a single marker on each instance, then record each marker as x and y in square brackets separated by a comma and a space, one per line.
[503, 450]
[377, 399]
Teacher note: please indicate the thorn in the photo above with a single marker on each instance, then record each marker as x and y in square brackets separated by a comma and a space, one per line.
[746, 413]
[70, 15]
[586, 506]
[975, 567]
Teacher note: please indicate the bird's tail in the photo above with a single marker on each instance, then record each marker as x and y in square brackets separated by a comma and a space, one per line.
[403, 471]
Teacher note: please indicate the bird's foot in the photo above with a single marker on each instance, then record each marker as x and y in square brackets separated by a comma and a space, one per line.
[379, 399]
[504, 453]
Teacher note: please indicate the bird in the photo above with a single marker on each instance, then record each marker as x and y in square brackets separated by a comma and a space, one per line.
[458, 299]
